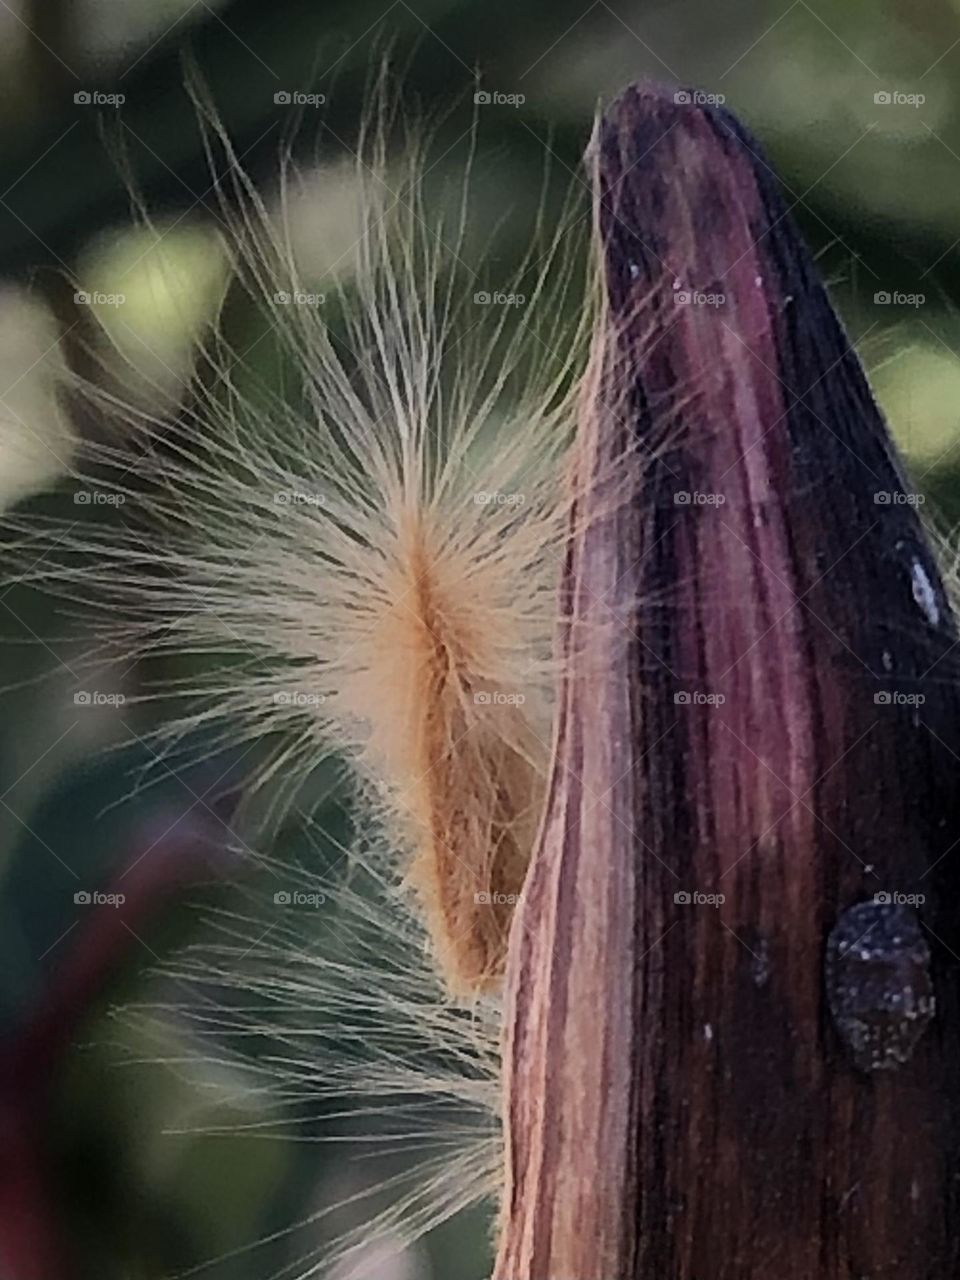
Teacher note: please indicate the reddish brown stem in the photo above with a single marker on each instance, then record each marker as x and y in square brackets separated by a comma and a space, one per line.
[743, 715]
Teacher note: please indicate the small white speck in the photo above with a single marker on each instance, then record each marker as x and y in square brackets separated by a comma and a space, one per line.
[887, 660]
[634, 271]
[708, 1032]
[758, 281]
[924, 594]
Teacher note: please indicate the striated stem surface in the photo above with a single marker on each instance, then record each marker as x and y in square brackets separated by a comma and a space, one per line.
[758, 730]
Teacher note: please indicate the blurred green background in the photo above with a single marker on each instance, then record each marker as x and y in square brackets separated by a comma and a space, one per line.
[138, 1147]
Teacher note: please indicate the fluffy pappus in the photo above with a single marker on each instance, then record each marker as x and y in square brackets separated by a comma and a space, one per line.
[367, 565]
[334, 1015]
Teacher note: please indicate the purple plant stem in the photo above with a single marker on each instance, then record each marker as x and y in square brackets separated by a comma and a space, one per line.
[739, 717]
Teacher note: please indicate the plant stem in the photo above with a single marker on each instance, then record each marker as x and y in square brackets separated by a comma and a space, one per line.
[759, 703]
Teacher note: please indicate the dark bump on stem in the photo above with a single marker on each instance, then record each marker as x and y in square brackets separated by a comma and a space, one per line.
[879, 985]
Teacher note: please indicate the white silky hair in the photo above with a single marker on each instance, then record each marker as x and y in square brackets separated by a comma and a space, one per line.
[281, 541]
[333, 1017]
